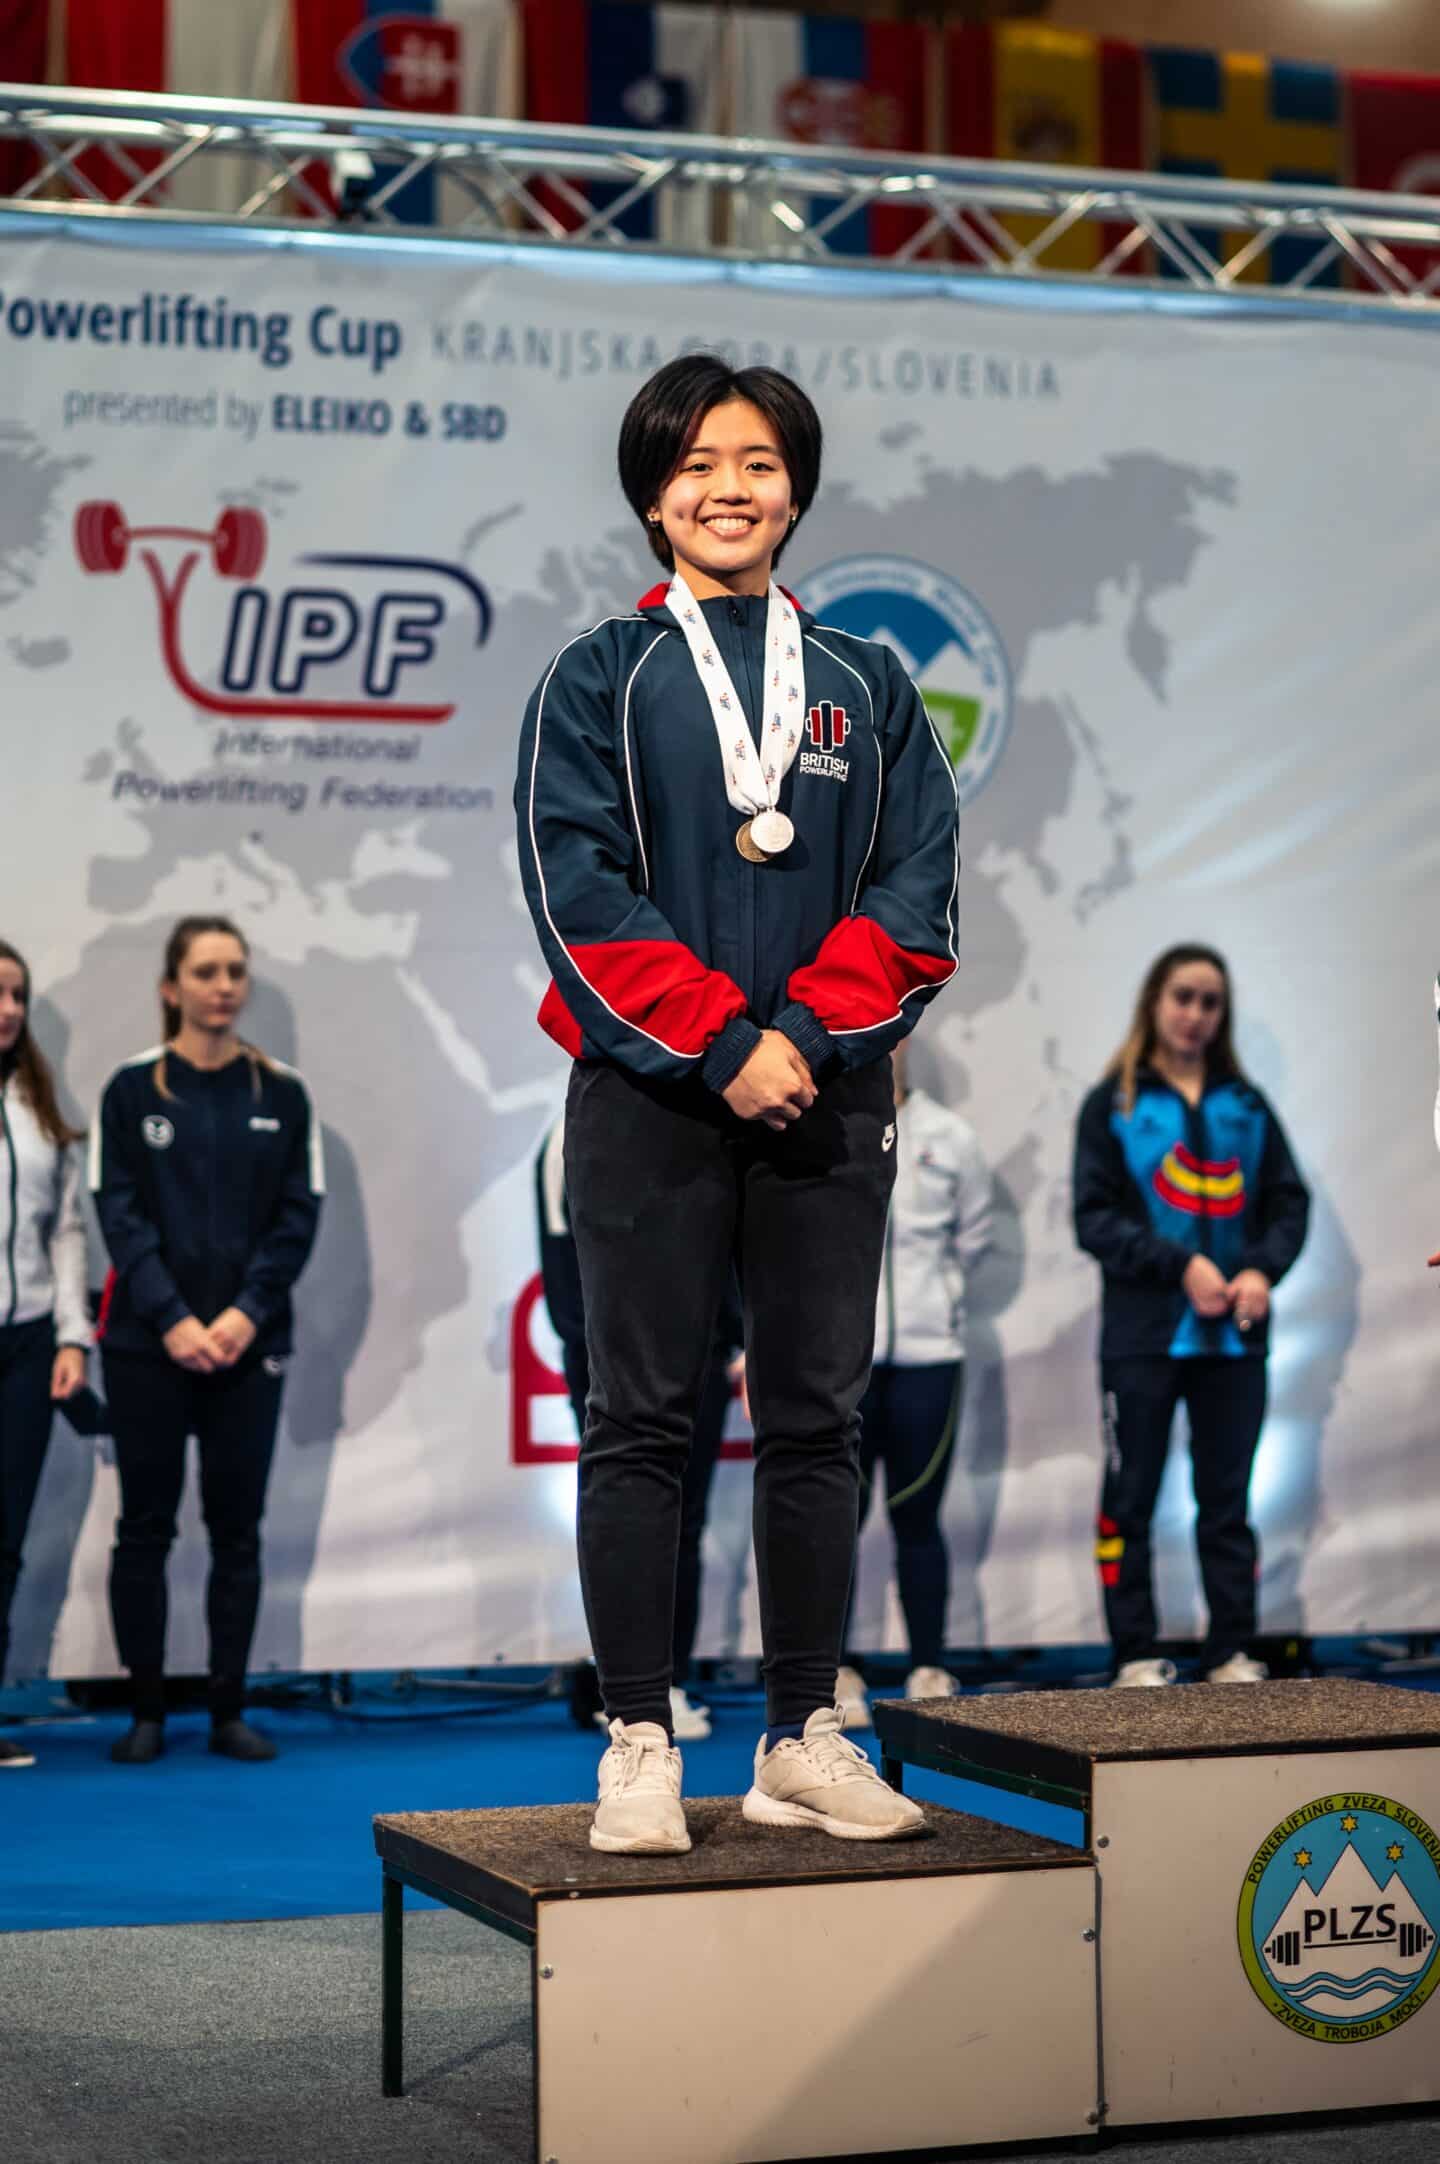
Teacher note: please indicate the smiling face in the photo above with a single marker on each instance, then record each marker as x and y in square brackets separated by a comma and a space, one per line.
[211, 984]
[14, 1004]
[1189, 1010]
[727, 506]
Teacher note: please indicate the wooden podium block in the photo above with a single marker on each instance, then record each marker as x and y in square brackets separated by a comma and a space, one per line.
[1269, 1869]
[778, 1995]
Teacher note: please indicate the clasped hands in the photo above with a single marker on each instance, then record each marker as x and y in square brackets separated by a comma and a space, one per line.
[1246, 1296]
[774, 1085]
[205, 1349]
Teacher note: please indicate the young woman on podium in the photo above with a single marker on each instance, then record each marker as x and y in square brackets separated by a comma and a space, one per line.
[737, 836]
[44, 1316]
[1188, 1197]
[205, 1162]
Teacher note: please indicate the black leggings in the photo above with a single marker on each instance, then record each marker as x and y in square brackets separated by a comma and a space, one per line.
[1226, 1403]
[27, 1353]
[155, 1407]
[909, 1418]
[696, 1481]
[666, 1187]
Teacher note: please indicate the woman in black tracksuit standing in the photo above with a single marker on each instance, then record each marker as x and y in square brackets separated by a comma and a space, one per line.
[207, 1174]
[1188, 1197]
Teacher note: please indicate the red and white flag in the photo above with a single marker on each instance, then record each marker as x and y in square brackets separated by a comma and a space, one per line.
[190, 48]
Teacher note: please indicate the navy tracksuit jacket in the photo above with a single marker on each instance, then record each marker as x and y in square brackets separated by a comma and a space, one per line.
[208, 1198]
[1169, 1180]
[668, 951]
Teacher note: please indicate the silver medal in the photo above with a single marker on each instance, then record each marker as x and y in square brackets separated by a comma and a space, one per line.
[773, 831]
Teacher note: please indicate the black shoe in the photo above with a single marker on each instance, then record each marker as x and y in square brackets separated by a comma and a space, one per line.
[144, 1742]
[14, 1754]
[237, 1739]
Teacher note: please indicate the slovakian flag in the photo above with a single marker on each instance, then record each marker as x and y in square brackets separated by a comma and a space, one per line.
[1237, 116]
[1047, 97]
[1395, 143]
[190, 48]
[24, 58]
[612, 65]
[432, 58]
[834, 82]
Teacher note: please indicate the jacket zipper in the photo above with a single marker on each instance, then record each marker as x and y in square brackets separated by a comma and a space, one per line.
[14, 1212]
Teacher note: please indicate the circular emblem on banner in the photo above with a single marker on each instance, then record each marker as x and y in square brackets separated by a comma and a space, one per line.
[944, 640]
[157, 1131]
[1339, 1916]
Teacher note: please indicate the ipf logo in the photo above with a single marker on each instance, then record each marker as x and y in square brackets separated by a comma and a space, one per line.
[942, 638]
[1339, 1916]
[344, 650]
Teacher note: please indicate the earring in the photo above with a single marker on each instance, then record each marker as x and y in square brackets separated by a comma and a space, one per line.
[794, 514]
[652, 518]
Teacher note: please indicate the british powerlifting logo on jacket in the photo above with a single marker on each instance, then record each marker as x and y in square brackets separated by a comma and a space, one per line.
[942, 638]
[1339, 1916]
[353, 646]
[827, 726]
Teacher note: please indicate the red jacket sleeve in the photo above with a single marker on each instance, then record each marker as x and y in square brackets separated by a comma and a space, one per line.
[879, 965]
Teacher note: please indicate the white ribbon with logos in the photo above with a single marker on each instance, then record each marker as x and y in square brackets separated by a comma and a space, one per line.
[271, 601]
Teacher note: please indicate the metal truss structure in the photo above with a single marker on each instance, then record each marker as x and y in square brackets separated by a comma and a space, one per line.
[101, 155]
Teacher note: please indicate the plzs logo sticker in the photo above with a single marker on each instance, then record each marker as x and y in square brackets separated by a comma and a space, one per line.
[1339, 1916]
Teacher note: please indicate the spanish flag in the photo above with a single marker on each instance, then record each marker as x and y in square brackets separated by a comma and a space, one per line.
[1046, 97]
[1200, 1187]
[1238, 116]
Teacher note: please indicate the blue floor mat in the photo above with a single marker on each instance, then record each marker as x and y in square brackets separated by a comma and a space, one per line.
[197, 1839]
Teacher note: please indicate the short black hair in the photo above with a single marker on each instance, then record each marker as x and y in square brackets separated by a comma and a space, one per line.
[663, 416]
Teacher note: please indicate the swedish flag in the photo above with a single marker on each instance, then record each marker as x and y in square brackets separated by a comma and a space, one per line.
[1239, 116]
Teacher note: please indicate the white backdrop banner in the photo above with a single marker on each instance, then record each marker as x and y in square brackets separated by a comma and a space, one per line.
[286, 535]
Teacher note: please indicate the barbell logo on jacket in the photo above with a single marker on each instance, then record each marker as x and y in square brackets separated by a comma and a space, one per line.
[829, 725]
[157, 1131]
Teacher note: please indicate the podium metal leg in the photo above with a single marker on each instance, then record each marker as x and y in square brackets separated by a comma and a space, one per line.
[392, 1986]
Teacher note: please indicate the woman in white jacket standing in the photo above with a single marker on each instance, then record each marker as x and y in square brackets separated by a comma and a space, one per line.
[940, 1216]
[44, 1316]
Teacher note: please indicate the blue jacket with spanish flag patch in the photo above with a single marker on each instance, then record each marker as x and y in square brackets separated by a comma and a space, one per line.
[669, 952]
[1169, 1180]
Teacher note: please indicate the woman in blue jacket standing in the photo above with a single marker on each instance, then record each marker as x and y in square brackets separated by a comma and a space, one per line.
[737, 836]
[44, 1315]
[207, 1173]
[1188, 1197]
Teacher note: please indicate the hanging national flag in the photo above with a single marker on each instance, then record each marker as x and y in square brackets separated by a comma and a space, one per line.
[1047, 97]
[1395, 144]
[191, 48]
[832, 81]
[1237, 116]
[612, 65]
[24, 58]
[426, 57]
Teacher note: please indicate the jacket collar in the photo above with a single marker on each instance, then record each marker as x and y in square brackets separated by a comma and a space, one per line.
[653, 605]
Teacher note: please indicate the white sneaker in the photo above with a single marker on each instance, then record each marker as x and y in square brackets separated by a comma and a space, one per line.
[640, 1812]
[690, 1722]
[851, 1698]
[1139, 1675]
[931, 1683]
[1240, 1668]
[823, 1781]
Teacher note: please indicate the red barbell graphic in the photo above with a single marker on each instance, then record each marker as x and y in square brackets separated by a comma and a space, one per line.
[236, 543]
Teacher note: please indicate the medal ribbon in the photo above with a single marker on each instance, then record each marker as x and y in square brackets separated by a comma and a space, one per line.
[751, 783]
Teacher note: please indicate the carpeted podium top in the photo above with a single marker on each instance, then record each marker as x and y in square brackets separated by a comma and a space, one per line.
[1059, 1736]
[509, 1861]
